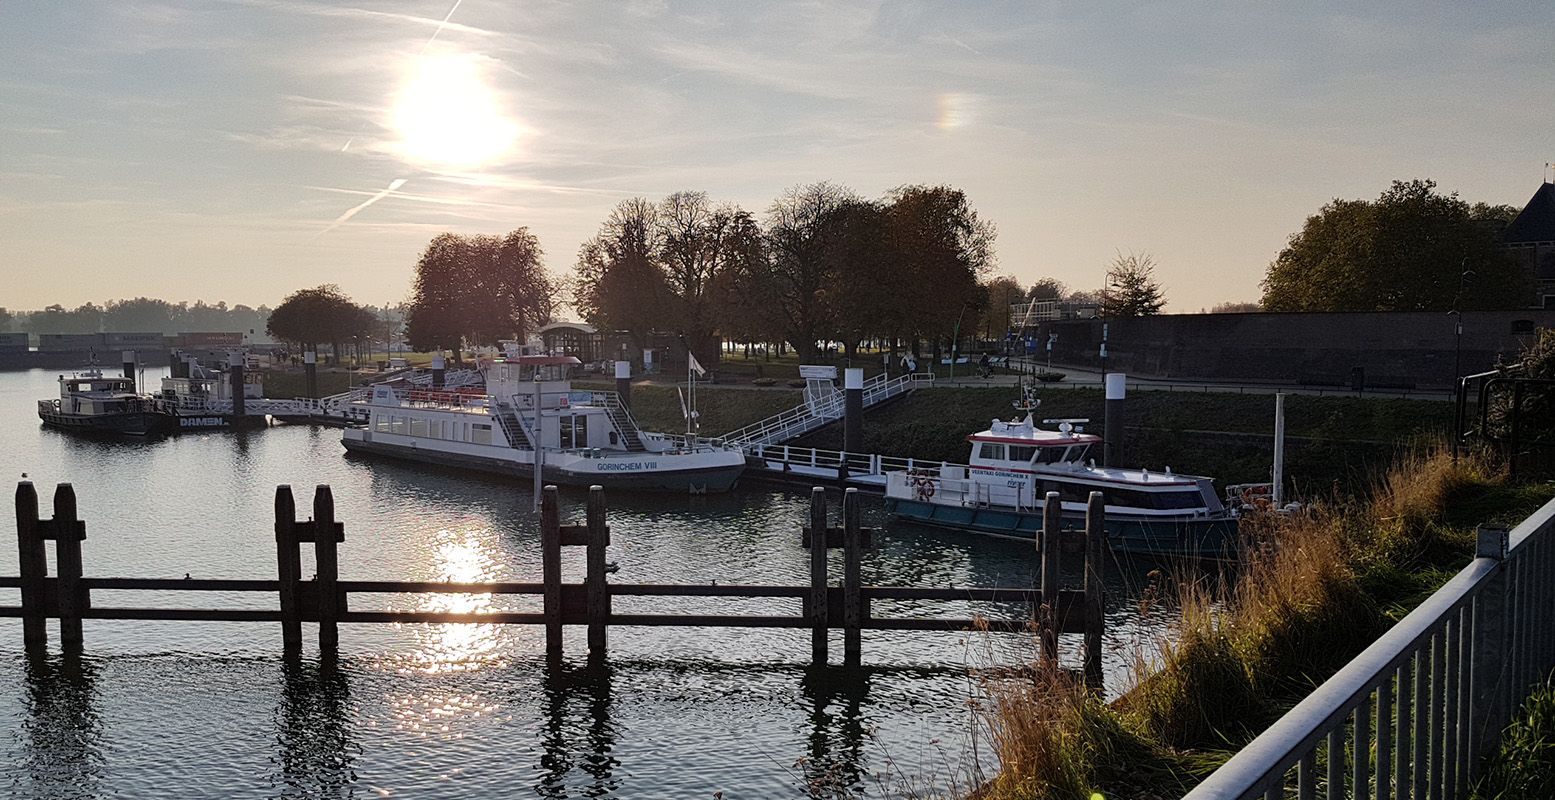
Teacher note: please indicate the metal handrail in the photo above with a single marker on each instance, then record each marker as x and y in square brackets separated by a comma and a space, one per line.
[1507, 607]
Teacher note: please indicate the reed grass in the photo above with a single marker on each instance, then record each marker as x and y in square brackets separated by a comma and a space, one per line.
[1313, 590]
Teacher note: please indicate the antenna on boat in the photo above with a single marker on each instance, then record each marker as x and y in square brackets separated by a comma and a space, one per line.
[1028, 401]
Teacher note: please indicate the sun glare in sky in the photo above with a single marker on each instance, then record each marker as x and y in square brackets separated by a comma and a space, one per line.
[447, 116]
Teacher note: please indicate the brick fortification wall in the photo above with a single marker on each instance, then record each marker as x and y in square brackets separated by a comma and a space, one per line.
[1395, 349]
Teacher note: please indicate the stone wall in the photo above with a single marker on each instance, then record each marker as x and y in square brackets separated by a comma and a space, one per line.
[1392, 349]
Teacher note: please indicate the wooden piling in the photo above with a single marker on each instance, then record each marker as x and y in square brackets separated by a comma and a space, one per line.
[1095, 619]
[852, 578]
[327, 557]
[551, 570]
[1048, 547]
[68, 533]
[594, 578]
[815, 604]
[288, 568]
[32, 566]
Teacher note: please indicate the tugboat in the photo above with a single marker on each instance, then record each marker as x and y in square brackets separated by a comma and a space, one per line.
[528, 412]
[1013, 465]
[91, 402]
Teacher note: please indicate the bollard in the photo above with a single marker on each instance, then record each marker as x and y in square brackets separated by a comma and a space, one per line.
[32, 567]
[1047, 547]
[551, 571]
[235, 376]
[815, 604]
[310, 368]
[624, 382]
[326, 536]
[288, 568]
[853, 610]
[1112, 419]
[853, 410]
[68, 533]
[594, 577]
[1095, 618]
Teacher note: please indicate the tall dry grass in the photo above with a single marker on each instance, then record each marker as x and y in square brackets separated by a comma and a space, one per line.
[1248, 643]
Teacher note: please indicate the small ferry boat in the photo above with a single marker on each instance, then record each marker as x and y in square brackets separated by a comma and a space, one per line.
[1013, 465]
[528, 411]
[92, 402]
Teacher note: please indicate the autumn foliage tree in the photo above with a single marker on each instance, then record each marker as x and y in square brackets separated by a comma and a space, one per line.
[478, 290]
[1407, 250]
[321, 315]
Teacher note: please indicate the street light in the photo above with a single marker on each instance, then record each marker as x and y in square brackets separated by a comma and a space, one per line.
[1457, 341]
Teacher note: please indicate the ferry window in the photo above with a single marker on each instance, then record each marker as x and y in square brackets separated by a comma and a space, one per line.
[566, 431]
[418, 427]
[1157, 500]
[397, 424]
[580, 430]
[993, 451]
[1021, 453]
[1069, 492]
[1050, 455]
[381, 423]
[481, 434]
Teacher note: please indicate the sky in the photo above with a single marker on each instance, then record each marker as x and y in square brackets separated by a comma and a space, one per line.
[239, 150]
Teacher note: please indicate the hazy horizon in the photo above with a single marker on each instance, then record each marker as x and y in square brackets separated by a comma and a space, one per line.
[243, 149]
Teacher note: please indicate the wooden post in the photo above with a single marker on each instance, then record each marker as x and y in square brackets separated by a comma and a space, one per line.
[32, 566]
[328, 561]
[852, 579]
[1095, 619]
[1047, 546]
[551, 570]
[67, 558]
[815, 604]
[288, 568]
[594, 578]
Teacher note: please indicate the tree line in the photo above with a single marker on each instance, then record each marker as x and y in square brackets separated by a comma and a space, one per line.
[137, 315]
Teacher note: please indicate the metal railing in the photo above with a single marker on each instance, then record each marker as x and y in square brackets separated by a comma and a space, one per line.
[1412, 715]
[815, 413]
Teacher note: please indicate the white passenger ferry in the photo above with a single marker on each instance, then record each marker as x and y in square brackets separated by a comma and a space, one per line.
[528, 408]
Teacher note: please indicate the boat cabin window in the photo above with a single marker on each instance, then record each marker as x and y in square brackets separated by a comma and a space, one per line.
[574, 431]
[992, 451]
[1133, 498]
[1021, 454]
[480, 434]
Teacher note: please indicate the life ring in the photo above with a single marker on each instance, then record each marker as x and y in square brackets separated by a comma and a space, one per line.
[923, 488]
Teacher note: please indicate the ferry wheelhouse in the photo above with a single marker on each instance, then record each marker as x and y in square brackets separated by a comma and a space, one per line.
[1014, 465]
[528, 412]
[96, 403]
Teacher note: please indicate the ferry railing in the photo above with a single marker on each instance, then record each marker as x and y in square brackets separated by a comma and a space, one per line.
[857, 463]
[937, 488]
[1413, 714]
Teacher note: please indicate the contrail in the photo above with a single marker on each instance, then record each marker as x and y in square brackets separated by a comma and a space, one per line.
[340, 220]
[440, 26]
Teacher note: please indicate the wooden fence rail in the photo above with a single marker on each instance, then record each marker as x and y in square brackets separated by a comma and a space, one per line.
[324, 600]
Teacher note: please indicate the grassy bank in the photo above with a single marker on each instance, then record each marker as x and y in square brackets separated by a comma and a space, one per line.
[283, 384]
[1329, 438]
[1313, 592]
[657, 408]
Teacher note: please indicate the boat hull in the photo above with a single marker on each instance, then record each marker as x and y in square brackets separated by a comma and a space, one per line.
[686, 481]
[1205, 538]
[130, 423]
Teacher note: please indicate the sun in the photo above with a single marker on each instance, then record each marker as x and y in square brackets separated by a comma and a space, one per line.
[447, 115]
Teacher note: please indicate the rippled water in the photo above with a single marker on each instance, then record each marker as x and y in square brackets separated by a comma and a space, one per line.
[198, 709]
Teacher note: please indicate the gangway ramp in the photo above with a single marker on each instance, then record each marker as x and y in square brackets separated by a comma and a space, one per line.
[823, 405]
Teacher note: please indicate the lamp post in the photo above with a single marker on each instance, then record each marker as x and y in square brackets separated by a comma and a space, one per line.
[1457, 315]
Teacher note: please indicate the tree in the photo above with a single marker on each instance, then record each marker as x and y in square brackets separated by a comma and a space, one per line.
[617, 283]
[478, 290]
[1003, 292]
[1047, 289]
[5, 320]
[1408, 250]
[311, 317]
[802, 228]
[943, 248]
[864, 270]
[1132, 290]
[1235, 308]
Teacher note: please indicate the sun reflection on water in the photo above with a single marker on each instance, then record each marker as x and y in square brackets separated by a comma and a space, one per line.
[461, 557]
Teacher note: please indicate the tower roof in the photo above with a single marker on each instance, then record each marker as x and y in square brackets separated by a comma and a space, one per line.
[1536, 223]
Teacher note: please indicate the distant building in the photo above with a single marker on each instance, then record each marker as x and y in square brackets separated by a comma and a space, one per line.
[1531, 240]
